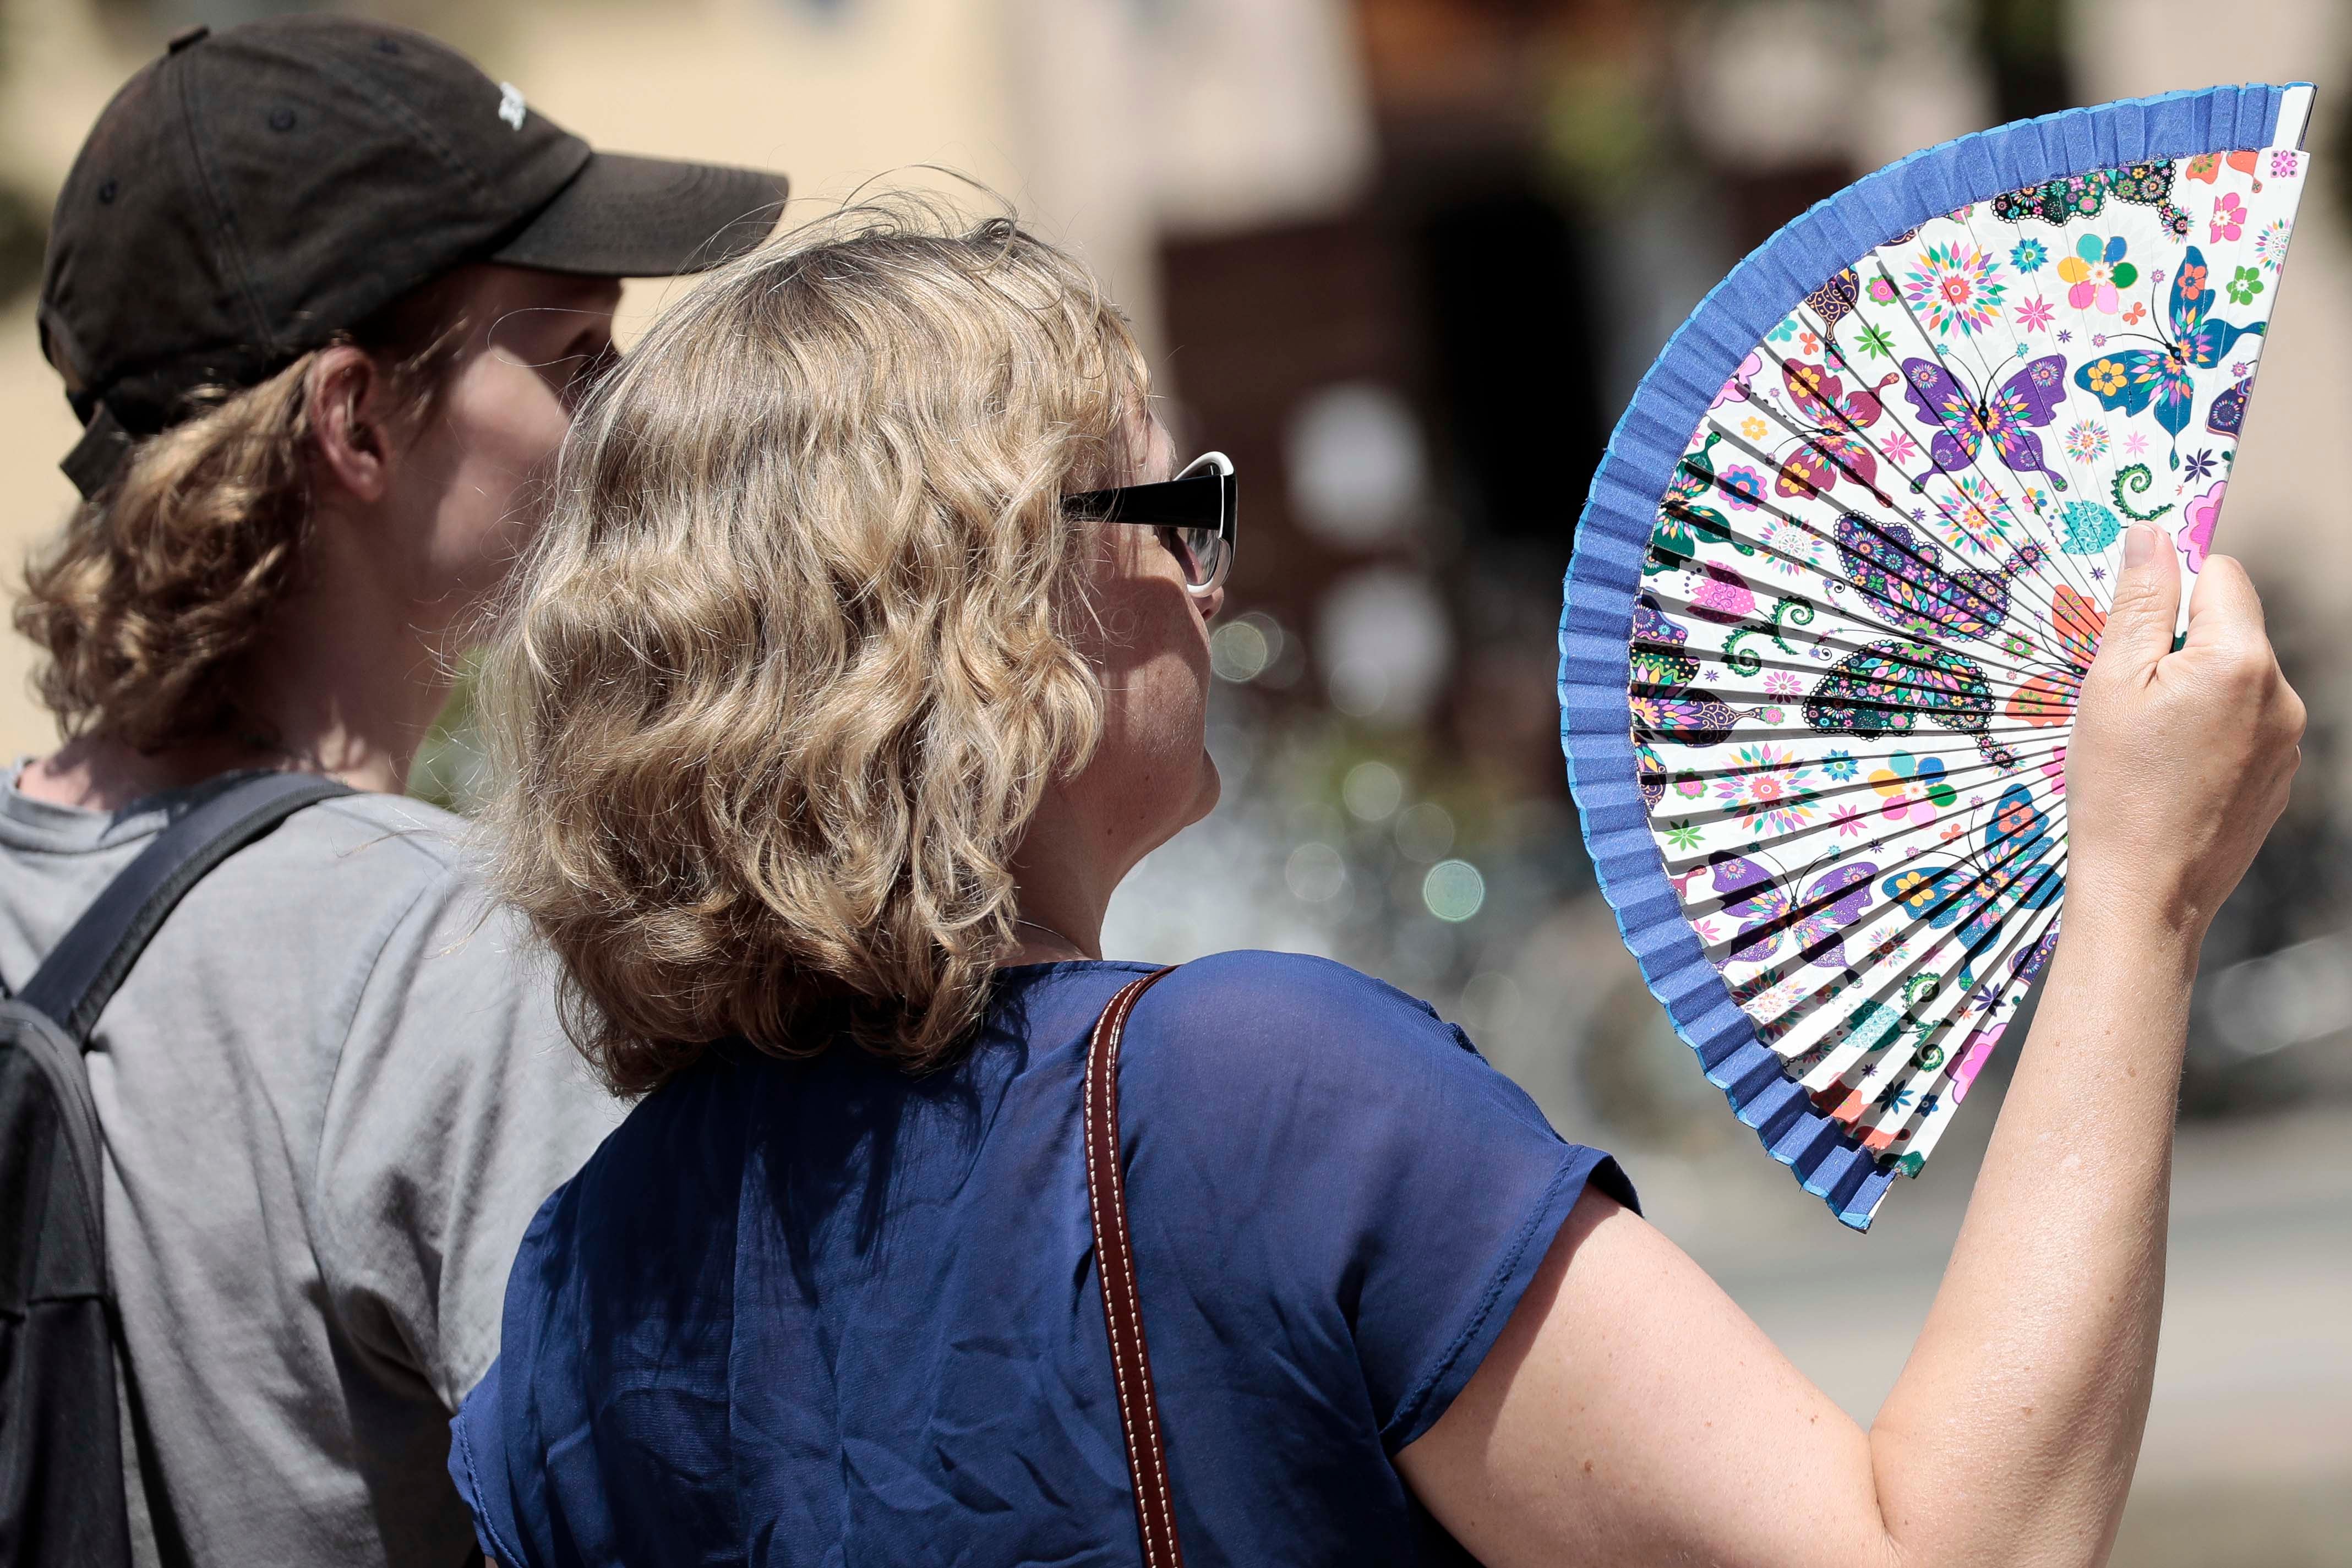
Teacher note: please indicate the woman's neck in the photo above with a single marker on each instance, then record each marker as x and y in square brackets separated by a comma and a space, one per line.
[1064, 873]
[1041, 944]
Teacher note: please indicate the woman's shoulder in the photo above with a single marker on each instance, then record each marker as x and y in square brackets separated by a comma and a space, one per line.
[1314, 1010]
[1293, 981]
[1278, 1043]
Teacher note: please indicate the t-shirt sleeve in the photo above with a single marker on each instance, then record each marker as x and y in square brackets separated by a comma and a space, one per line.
[1360, 1173]
[458, 1106]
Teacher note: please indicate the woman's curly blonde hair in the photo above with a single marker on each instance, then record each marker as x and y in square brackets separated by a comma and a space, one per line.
[779, 685]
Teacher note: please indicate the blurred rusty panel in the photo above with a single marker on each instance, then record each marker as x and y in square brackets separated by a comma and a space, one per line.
[1756, 204]
[1255, 322]
[1421, 56]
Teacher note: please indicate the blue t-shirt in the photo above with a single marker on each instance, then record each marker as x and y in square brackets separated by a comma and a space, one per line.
[819, 1312]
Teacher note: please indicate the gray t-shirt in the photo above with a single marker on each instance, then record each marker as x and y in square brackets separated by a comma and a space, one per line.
[333, 1092]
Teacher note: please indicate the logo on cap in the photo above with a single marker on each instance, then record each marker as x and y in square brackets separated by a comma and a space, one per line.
[510, 105]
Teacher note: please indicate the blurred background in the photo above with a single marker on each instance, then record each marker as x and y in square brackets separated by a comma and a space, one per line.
[1405, 260]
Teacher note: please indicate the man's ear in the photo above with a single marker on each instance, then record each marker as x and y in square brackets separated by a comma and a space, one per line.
[348, 427]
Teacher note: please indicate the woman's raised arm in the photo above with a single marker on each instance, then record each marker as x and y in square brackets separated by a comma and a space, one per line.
[1632, 1414]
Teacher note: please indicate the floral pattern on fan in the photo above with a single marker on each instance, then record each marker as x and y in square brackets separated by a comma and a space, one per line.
[1855, 781]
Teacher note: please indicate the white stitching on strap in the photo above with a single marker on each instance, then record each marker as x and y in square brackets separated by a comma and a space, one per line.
[1109, 1024]
[1150, 1403]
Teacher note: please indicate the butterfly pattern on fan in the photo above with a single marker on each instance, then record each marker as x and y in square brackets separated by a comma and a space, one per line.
[1832, 443]
[2005, 420]
[2164, 378]
[1758, 899]
[1865, 617]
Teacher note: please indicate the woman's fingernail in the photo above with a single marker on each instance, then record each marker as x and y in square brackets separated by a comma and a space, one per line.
[2139, 545]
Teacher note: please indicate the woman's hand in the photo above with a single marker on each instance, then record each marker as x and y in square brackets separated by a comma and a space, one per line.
[2179, 761]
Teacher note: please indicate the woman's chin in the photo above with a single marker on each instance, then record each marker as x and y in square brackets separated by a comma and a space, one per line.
[1212, 786]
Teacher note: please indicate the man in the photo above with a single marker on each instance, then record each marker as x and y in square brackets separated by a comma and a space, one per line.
[323, 295]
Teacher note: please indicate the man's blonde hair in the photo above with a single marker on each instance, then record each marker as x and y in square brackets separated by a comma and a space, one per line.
[148, 603]
[784, 676]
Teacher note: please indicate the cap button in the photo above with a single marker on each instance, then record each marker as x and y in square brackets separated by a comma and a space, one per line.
[186, 35]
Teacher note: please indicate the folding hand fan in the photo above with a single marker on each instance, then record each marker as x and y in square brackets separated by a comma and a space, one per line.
[1840, 573]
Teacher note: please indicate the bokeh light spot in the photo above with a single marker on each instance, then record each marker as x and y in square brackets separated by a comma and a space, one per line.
[1454, 889]
[1239, 651]
[1372, 791]
[1316, 873]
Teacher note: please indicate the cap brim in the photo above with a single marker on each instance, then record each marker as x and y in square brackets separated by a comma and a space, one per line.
[648, 217]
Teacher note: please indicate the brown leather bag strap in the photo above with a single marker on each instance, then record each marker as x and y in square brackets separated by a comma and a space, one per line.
[1139, 1408]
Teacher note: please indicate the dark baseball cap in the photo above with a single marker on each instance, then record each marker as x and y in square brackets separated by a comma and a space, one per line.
[257, 191]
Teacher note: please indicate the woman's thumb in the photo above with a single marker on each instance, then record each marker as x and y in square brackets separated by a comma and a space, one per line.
[2147, 603]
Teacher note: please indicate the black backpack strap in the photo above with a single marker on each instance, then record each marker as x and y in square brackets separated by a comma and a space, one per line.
[80, 977]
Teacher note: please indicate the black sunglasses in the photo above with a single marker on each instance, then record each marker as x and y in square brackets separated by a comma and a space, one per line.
[1196, 513]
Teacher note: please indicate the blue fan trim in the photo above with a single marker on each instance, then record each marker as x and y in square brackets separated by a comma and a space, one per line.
[1604, 575]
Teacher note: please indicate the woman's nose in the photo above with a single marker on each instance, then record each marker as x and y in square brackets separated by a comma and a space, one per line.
[1212, 603]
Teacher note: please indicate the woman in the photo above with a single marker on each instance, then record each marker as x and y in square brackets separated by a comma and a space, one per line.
[832, 724]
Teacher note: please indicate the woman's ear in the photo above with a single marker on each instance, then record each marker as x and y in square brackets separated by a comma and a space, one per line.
[347, 422]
